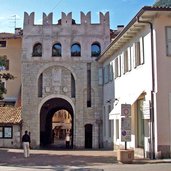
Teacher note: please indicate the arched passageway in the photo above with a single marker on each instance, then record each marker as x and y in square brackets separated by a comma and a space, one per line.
[56, 120]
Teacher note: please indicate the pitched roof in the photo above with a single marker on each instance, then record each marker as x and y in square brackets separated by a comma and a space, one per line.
[10, 115]
[146, 14]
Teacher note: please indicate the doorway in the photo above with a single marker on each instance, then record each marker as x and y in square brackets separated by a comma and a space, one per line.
[88, 135]
[61, 126]
[56, 120]
[140, 124]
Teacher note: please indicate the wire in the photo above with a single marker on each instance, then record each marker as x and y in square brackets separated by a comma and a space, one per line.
[56, 5]
[51, 10]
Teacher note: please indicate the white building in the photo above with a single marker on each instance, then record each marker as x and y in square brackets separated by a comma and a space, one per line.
[139, 58]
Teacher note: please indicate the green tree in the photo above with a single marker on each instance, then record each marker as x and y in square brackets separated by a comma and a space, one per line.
[162, 3]
[4, 75]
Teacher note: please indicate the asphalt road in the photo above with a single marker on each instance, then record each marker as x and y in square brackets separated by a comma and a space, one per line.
[74, 160]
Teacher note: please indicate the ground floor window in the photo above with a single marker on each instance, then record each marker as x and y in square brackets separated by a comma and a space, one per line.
[5, 131]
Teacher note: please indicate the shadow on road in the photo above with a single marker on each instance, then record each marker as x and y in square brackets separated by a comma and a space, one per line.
[56, 158]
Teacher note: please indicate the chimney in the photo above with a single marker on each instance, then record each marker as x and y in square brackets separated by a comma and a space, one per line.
[18, 31]
[120, 27]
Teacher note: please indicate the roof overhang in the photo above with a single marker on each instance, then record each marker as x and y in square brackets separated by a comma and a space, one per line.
[146, 14]
[9, 36]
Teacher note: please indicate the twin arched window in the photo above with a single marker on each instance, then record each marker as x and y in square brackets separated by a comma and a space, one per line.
[95, 49]
[37, 49]
[57, 49]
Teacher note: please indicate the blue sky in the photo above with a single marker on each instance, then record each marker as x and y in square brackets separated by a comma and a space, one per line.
[121, 11]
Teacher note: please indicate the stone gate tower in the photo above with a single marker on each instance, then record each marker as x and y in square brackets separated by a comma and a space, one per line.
[60, 72]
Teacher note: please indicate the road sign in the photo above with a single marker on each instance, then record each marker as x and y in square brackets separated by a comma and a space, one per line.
[126, 135]
[126, 123]
[125, 110]
[126, 129]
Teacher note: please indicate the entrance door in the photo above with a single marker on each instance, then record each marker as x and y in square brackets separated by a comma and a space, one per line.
[140, 124]
[88, 136]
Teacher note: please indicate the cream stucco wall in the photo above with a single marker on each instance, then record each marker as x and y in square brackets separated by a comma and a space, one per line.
[163, 70]
[13, 53]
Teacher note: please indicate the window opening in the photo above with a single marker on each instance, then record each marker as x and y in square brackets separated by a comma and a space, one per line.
[37, 49]
[88, 85]
[3, 43]
[137, 54]
[168, 41]
[6, 132]
[76, 50]
[72, 86]
[40, 85]
[57, 49]
[95, 49]
[4, 63]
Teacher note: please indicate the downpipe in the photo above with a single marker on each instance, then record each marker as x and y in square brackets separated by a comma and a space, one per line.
[152, 137]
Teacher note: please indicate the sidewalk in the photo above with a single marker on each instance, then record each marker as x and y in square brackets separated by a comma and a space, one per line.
[149, 161]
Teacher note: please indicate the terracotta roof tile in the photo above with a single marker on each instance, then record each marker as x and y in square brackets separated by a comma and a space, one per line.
[10, 115]
[8, 35]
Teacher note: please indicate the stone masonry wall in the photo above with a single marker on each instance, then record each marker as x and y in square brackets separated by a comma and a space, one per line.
[57, 70]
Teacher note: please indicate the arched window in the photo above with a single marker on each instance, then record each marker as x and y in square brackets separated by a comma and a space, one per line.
[72, 86]
[37, 49]
[76, 49]
[95, 49]
[57, 49]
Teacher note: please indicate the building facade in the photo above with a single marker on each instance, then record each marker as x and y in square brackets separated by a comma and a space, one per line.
[60, 72]
[10, 106]
[139, 60]
[10, 47]
[69, 86]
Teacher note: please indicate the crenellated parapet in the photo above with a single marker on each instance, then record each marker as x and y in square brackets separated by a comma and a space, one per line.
[66, 19]
[28, 19]
[104, 18]
[86, 18]
[47, 19]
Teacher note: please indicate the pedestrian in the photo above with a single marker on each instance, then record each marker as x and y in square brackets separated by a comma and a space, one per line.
[26, 144]
[67, 139]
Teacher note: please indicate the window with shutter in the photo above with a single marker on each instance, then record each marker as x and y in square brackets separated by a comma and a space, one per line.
[168, 41]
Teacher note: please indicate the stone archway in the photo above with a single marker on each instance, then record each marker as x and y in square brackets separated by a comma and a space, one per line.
[53, 114]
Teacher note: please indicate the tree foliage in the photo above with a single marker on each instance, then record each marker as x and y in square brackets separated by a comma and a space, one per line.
[4, 75]
[163, 3]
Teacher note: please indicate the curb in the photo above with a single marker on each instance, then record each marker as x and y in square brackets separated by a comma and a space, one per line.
[146, 161]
